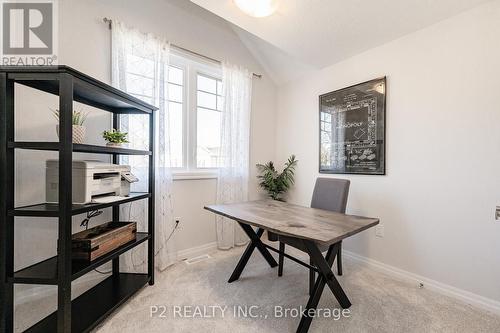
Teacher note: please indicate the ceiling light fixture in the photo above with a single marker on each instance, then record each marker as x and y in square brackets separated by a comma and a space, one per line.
[257, 8]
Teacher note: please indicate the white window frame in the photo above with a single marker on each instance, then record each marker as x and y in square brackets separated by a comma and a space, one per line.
[192, 66]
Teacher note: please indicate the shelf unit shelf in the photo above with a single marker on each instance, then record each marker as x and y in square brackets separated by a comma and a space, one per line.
[77, 148]
[86, 89]
[88, 310]
[97, 303]
[52, 209]
[45, 272]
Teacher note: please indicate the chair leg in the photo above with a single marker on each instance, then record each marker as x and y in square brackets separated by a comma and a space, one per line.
[312, 278]
[281, 259]
[339, 260]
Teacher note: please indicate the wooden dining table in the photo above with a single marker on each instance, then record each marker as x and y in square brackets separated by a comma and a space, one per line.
[311, 229]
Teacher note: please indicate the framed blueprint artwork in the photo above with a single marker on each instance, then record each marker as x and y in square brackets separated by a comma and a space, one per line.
[352, 129]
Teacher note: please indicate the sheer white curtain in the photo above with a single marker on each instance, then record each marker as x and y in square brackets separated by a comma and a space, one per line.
[232, 184]
[140, 67]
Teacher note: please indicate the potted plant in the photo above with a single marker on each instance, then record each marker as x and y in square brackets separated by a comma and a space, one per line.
[77, 120]
[115, 138]
[276, 184]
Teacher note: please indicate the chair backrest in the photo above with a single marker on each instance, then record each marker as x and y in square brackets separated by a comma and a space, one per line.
[331, 194]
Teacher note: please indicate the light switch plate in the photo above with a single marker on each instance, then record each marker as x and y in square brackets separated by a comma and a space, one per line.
[379, 230]
[497, 213]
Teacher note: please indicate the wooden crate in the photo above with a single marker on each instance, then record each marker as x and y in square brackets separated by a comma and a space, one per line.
[95, 242]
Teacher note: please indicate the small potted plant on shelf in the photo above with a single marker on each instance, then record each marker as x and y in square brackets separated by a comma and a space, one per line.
[115, 138]
[77, 120]
[274, 183]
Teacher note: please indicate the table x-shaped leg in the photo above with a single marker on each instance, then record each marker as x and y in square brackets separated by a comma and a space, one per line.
[255, 242]
[326, 276]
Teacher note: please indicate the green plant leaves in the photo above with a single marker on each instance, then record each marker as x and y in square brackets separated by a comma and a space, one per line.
[115, 136]
[78, 118]
[274, 183]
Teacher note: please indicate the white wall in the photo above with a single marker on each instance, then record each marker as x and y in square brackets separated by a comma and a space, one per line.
[84, 44]
[443, 139]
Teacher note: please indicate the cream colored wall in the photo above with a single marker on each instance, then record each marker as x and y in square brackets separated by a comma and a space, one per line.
[438, 198]
[197, 226]
[85, 45]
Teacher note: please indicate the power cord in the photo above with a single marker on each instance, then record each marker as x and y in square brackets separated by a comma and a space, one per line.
[95, 213]
[90, 215]
[85, 223]
[173, 230]
[109, 272]
[129, 214]
[161, 247]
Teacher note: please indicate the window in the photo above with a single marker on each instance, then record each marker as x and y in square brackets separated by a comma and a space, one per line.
[195, 107]
[194, 104]
[208, 108]
[140, 83]
[176, 109]
[326, 137]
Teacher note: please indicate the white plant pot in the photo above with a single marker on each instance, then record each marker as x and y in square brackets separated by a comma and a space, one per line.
[113, 144]
[78, 133]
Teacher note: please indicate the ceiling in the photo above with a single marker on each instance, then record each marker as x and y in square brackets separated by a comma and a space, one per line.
[319, 33]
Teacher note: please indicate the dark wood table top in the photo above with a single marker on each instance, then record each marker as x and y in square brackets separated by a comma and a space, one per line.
[321, 226]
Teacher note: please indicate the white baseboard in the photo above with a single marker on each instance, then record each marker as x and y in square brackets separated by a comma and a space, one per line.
[442, 288]
[197, 251]
[479, 301]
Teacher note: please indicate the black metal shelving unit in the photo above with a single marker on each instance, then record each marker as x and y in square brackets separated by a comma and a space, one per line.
[86, 311]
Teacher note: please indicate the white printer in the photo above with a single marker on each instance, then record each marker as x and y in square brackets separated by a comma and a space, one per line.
[91, 179]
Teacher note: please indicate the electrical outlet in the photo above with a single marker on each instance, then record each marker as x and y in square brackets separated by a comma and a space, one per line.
[379, 230]
[497, 213]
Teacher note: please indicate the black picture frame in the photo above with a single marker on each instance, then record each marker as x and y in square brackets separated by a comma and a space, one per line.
[352, 124]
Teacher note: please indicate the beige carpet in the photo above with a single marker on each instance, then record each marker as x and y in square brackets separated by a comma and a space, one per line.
[380, 303]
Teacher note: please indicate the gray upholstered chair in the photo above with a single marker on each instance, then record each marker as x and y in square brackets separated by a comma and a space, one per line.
[329, 194]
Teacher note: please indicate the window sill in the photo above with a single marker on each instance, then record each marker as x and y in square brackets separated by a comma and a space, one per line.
[194, 175]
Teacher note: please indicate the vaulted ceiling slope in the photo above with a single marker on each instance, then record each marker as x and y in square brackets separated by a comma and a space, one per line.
[320, 33]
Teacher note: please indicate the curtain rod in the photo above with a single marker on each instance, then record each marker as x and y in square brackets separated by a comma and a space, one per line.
[110, 21]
